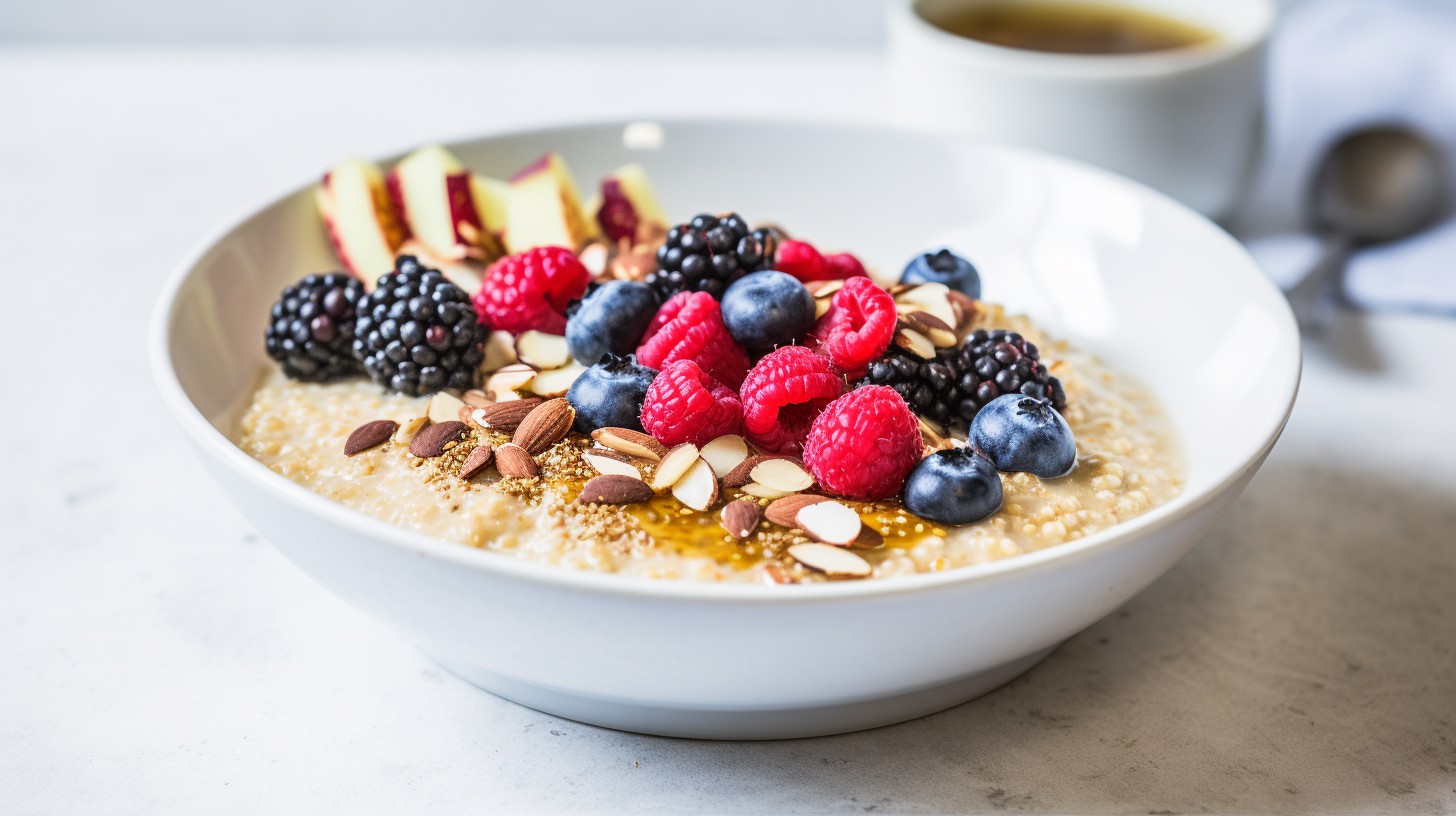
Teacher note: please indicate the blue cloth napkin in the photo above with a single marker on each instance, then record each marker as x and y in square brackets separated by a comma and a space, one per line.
[1335, 65]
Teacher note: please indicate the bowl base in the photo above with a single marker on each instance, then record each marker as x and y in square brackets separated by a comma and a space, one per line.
[744, 724]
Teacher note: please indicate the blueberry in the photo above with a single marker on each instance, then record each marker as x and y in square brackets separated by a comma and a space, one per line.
[764, 310]
[956, 486]
[944, 267]
[609, 319]
[1025, 434]
[610, 394]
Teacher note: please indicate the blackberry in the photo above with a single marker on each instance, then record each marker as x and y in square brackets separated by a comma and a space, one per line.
[311, 328]
[953, 387]
[710, 252]
[417, 332]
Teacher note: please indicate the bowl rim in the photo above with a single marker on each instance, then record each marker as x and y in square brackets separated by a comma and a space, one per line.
[212, 441]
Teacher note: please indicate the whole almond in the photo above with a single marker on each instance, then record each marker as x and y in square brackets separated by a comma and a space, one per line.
[630, 442]
[614, 489]
[504, 416]
[436, 439]
[513, 460]
[369, 435]
[739, 476]
[476, 462]
[546, 425]
[740, 517]
[783, 512]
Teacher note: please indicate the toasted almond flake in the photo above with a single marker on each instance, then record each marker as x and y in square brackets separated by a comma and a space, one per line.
[868, 539]
[830, 560]
[513, 460]
[934, 329]
[409, 428]
[674, 464]
[783, 511]
[762, 491]
[504, 384]
[781, 474]
[614, 489]
[369, 435]
[546, 424]
[542, 351]
[915, 343]
[630, 442]
[444, 407]
[738, 476]
[964, 308]
[829, 522]
[932, 298]
[556, 382]
[698, 487]
[500, 351]
[740, 517]
[725, 453]
[609, 466]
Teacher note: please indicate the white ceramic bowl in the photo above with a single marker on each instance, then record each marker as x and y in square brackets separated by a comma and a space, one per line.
[1157, 290]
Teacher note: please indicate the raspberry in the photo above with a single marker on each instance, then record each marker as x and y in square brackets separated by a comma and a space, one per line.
[685, 404]
[689, 326]
[800, 259]
[858, 327]
[530, 290]
[783, 394]
[864, 444]
[843, 265]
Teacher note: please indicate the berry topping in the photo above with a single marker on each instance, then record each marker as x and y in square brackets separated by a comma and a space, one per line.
[864, 444]
[609, 394]
[944, 267]
[951, 388]
[765, 310]
[782, 396]
[956, 486]
[844, 265]
[311, 328]
[684, 404]
[530, 290]
[689, 326]
[610, 319]
[708, 253]
[416, 333]
[803, 261]
[858, 327]
[1025, 434]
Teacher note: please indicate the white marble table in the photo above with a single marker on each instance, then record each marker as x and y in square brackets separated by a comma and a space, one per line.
[156, 656]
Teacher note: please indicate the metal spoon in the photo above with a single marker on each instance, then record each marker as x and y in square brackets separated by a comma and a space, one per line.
[1375, 185]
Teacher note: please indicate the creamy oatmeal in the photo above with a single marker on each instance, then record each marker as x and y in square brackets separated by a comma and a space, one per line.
[1127, 463]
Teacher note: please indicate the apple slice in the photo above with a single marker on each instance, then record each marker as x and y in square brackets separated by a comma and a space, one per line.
[544, 208]
[434, 195]
[627, 204]
[491, 197]
[361, 223]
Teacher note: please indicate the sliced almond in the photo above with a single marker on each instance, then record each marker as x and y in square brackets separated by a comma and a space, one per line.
[504, 417]
[444, 407]
[824, 289]
[776, 574]
[725, 453]
[512, 460]
[915, 343]
[500, 351]
[547, 424]
[698, 487]
[935, 330]
[781, 474]
[556, 382]
[369, 435]
[821, 307]
[739, 475]
[784, 511]
[476, 398]
[504, 384]
[409, 428]
[476, 462]
[614, 489]
[763, 492]
[674, 464]
[740, 517]
[830, 560]
[542, 351]
[930, 297]
[609, 466]
[632, 443]
[964, 307]
[868, 539]
[829, 522]
[435, 439]
[594, 256]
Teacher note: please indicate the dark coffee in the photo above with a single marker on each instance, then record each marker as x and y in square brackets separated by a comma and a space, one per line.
[1067, 27]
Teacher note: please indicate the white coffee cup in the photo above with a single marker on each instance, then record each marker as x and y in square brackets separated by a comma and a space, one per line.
[1186, 121]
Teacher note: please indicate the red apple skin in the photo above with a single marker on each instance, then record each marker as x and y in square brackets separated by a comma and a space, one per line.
[395, 189]
[532, 168]
[462, 204]
[617, 217]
